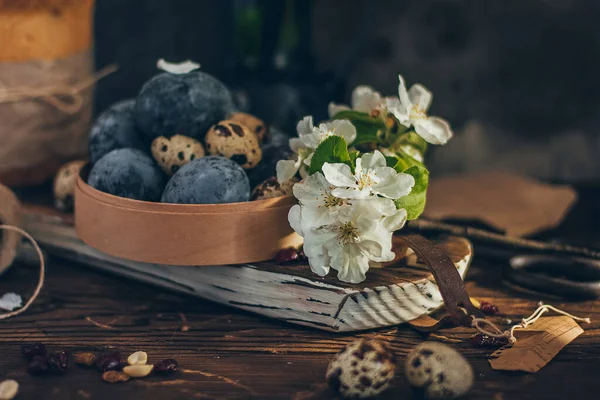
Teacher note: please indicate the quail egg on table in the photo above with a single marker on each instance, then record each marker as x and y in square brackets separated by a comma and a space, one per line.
[232, 140]
[438, 369]
[173, 153]
[64, 184]
[363, 369]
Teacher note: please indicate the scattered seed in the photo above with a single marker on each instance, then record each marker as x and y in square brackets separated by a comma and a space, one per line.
[138, 370]
[31, 350]
[58, 362]
[108, 361]
[8, 389]
[38, 365]
[115, 376]
[138, 358]
[85, 358]
[166, 366]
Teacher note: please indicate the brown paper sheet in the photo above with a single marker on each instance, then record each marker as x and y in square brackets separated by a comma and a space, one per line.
[536, 345]
[516, 205]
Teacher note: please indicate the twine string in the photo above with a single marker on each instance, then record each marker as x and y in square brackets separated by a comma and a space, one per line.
[489, 328]
[64, 97]
[40, 283]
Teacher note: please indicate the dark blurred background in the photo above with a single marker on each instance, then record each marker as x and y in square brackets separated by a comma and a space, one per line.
[517, 79]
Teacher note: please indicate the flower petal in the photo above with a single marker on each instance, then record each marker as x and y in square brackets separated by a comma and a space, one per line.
[351, 193]
[305, 125]
[339, 174]
[296, 144]
[372, 160]
[420, 96]
[365, 99]
[319, 264]
[392, 184]
[343, 128]
[396, 221]
[286, 169]
[403, 94]
[350, 263]
[334, 108]
[374, 207]
[434, 130]
[308, 159]
[295, 219]
[310, 189]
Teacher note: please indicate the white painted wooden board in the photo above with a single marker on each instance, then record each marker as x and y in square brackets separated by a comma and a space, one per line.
[291, 293]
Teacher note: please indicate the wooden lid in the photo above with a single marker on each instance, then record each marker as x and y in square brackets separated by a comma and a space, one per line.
[183, 234]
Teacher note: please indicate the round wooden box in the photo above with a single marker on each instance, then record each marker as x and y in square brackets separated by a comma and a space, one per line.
[182, 234]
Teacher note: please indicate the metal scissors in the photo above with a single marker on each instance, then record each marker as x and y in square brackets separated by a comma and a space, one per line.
[563, 276]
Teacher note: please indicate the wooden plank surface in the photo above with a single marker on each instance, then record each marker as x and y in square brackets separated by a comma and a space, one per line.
[292, 293]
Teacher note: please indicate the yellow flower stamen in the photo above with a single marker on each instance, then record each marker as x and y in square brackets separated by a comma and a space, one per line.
[348, 233]
[332, 201]
[417, 113]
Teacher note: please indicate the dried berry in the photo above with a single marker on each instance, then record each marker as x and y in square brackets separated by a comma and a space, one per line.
[38, 365]
[139, 357]
[58, 362]
[483, 340]
[31, 350]
[85, 358]
[115, 377]
[488, 308]
[138, 370]
[8, 389]
[109, 362]
[166, 366]
[287, 255]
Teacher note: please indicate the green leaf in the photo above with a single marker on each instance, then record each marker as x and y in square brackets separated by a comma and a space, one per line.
[392, 161]
[412, 139]
[368, 129]
[414, 203]
[331, 150]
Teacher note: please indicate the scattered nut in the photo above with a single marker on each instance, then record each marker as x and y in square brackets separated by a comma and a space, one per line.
[440, 370]
[108, 361]
[31, 350]
[166, 366]
[8, 389]
[271, 188]
[363, 369]
[85, 358]
[139, 357]
[58, 362]
[64, 185]
[138, 370]
[115, 376]
[254, 124]
[173, 153]
[234, 141]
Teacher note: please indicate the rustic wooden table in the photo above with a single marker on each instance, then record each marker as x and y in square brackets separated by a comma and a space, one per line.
[224, 353]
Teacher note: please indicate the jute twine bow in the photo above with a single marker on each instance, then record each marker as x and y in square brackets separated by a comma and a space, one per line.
[40, 284]
[64, 97]
[482, 324]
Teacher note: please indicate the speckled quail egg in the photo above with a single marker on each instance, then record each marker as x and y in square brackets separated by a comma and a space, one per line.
[438, 369]
[362, 370]
[271, 188]
[255, 125]
[64, 184]
[173, 153]
[232, 140]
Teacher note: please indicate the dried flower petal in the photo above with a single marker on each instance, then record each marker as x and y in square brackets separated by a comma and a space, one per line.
[38, 365]
[58, 362]
[483, 340]
[31, 350]
[166, 366]
[488, 308]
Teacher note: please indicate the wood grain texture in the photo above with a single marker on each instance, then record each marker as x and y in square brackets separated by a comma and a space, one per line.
[292, 293]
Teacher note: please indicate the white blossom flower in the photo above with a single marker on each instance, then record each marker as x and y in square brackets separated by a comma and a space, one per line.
[411, 110]
[364, 99]
[371, 176]
[309, 138]
[350, 245]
